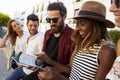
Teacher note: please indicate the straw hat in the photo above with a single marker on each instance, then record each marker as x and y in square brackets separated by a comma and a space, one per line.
[94, 10]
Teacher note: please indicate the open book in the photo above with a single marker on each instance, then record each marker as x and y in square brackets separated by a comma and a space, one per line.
[25, 59]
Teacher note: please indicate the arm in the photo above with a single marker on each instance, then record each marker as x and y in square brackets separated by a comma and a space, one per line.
[57, 66]
[50, 74]
[3, 41]
[60, 67]
[106, 58]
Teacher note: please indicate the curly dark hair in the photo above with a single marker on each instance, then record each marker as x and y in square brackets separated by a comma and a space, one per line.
[57, 6]
[32, 17]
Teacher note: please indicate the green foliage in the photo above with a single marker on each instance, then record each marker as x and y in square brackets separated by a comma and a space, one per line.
[4, 18]
[115, 35]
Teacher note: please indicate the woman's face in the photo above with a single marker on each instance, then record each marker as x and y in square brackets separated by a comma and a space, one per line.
[84, 27]
[115, 8]
[16, 26]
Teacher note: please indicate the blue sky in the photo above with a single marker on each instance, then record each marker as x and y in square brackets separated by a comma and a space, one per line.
[10, 6]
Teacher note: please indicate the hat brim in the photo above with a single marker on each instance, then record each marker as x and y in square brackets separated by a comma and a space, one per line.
[108, 23]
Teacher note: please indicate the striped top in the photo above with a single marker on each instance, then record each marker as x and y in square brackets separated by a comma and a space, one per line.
[85, 66]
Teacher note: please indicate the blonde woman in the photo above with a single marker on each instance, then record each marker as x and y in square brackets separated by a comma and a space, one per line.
[15, 36]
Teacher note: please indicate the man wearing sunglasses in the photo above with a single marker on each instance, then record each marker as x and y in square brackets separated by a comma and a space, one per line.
[57, 45]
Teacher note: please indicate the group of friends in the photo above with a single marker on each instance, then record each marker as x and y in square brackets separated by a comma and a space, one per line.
[83, 53]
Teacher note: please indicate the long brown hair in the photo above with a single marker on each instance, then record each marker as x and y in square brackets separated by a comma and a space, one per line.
[11, 33]
[97, 33]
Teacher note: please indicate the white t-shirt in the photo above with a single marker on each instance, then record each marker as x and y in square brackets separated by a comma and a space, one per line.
[114, 73]
[34, 46]
[20, 45]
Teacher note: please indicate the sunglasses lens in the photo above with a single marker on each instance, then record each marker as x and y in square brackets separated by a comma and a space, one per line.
[48, 20]
[117, 3]
[53, 20]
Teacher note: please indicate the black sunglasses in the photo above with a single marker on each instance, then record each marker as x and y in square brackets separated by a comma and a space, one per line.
[117, 3]
[55, 20]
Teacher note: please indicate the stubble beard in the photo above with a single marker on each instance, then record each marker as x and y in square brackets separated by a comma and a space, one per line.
[33, 33]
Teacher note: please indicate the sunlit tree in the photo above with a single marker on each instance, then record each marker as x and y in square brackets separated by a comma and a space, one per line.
[4, 18]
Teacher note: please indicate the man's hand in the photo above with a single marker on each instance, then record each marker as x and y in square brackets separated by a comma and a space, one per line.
[44, 57]
[32, 68]
[50, 74]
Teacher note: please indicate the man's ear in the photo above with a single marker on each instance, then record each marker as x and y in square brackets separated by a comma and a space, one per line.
[64, 17]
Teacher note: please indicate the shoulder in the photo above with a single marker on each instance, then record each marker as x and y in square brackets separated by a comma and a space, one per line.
[26, 34]
[118, 43]
[40, 35]
[68, 28]
[117, 48]
[67, 31]
[108, 49]
[48, 32]
[107, 52]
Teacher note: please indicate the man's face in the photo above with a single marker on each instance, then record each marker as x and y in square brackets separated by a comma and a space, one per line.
[55, 20]
[32, 27]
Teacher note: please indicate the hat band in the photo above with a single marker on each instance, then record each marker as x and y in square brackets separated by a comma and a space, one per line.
[90, 14]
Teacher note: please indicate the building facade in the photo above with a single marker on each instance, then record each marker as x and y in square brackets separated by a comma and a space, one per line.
[72, 6]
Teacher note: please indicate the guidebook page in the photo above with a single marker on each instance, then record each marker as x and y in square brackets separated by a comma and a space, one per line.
[26, 60]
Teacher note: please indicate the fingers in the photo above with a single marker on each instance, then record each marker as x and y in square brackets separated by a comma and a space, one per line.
[46, 75]
[40, 54]
[19, 65]
[32, 68]
[43, 56]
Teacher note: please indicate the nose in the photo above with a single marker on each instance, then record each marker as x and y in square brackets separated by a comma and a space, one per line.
[51, 22]
[33, 27]
[112, 8]
[18, 26]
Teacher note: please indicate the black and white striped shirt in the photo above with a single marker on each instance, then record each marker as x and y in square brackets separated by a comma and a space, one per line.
[85, 66]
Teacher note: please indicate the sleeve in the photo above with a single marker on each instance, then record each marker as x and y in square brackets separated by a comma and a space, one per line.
[8, 43]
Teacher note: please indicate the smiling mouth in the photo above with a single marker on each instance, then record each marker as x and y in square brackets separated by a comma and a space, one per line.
[117, 18]
[53, 27]
[81, 33]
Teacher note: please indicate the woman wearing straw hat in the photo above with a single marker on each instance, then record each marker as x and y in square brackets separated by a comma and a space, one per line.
[94, 53]
[114, 73]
